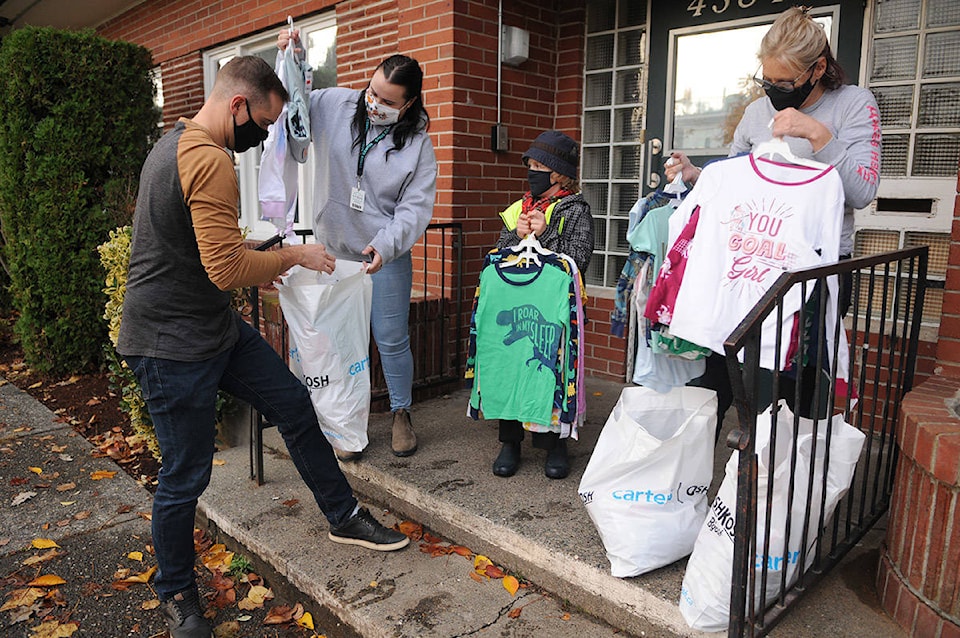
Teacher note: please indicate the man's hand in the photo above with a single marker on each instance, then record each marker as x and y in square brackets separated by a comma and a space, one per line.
[316, 257]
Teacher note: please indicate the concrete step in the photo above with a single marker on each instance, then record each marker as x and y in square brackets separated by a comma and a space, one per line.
[532, 526]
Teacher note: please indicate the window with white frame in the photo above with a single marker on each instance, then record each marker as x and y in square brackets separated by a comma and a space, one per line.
[318, 35]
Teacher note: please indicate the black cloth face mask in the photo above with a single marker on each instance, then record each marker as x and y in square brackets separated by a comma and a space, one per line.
[249, 134]
[539, 182]
[793, 98]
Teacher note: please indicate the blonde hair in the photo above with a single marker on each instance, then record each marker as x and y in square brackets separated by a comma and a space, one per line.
[797, 40]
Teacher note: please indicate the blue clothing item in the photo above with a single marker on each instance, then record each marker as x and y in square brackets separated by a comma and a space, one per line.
[389, 323]
[181, 397]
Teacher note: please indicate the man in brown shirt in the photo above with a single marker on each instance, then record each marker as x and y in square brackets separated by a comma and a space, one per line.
[184, 342]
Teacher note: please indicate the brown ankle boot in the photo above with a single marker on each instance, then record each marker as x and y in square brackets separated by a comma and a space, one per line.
[404, 438]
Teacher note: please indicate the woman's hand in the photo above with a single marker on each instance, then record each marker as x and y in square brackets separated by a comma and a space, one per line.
[284, 37]
[796, 124]
[680, 163]
[375, 263]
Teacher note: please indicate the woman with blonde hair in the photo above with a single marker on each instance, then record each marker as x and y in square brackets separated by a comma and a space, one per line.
[820, 117]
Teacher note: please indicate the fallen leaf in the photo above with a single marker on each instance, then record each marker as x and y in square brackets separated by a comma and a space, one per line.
[64, 487]
[219, 462]
[53, 629]
[477, 577]
[291, 502]
[43, 543]
[35, 385]
[70, 381]
[65, 503]
[4, 541]
[461, 550]
[143, 577]
[217, 558]
[36, 470]
[255, 598]
[410, 529]
[150, 604]
[102, 474]
[94, 401]
[138, 556]
[493, 571]
[278, 615]
[306, 620]
[36, 560]
[511, 585]
[22, 598]
[480, 563]
[430, 538]
[515, 613]
[47, 580]
[57, 449]
[79, 516]
[244, 618]
[565, 617]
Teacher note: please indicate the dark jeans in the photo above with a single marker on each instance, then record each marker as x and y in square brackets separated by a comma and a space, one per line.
[181, 397]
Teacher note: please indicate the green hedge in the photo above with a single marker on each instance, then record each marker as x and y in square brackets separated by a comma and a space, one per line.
[77, 119]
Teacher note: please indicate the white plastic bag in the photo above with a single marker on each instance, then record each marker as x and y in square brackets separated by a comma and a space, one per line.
[645, 485]
[705, 593]
[329, 319]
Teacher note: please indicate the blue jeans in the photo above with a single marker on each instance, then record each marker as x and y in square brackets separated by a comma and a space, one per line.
[181, 397]
[389, 323]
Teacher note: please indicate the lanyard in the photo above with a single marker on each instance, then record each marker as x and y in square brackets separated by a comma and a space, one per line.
[369, 145]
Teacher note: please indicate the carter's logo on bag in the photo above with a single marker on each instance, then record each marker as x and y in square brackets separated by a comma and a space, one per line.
[642, 496]
[295, 354]
[359, 366]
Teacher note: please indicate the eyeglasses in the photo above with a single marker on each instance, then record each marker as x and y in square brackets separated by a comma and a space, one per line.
[784, 86]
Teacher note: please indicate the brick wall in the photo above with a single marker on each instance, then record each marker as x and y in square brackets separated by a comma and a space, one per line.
[918, 580]
[456, 43]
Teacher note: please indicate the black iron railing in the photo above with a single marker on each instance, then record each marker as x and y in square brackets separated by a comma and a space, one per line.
[882, 327]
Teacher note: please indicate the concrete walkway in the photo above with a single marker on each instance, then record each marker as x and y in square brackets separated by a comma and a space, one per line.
[531, 526]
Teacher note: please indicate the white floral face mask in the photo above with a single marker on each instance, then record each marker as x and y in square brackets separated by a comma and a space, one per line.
[380, 113]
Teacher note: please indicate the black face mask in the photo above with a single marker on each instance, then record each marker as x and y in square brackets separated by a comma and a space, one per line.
[247, 135]
[793, 98]
[539, 182]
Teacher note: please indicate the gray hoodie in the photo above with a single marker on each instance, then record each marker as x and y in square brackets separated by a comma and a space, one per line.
[399, 190]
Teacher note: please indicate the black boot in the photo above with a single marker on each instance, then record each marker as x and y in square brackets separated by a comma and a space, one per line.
[508, 460]
[557, 465]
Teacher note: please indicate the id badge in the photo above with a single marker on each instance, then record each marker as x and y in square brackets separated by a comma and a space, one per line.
[356, 198]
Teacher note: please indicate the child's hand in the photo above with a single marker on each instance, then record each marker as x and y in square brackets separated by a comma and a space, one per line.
[523, 225]
[537, 221]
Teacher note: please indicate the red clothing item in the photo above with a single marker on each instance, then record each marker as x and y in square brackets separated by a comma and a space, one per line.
[663, 295]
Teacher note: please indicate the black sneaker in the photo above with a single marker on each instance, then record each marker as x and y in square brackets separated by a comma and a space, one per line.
[364, 530]
[185, 617]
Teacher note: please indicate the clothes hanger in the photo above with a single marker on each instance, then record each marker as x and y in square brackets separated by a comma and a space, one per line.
[527, 251]
[676, 188]
[777, 146]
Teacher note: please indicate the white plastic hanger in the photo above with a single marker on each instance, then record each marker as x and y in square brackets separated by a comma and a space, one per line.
[527, 251]
[676, 187]
[776, 146]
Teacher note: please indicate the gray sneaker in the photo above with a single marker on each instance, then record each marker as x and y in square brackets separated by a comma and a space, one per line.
[364, 530]
[185, 617]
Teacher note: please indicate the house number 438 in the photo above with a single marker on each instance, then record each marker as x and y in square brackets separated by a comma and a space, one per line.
[696, 7]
